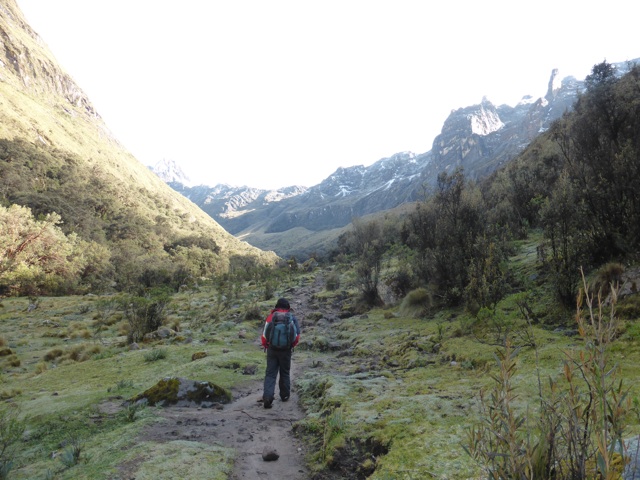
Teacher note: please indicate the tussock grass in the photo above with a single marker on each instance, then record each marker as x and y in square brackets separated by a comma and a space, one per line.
[417, 303]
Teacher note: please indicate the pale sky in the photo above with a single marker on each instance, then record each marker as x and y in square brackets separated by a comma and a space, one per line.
[272, 93]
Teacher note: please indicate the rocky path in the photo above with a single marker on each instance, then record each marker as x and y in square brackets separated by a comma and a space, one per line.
[245, 425]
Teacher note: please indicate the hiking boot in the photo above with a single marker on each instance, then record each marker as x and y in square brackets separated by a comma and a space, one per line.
[285, 398]
[268, 402]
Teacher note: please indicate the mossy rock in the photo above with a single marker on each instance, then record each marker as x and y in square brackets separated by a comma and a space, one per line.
[183, 392]
[198, 356]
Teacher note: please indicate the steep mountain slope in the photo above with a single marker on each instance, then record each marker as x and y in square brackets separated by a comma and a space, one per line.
[57, 152]
[479, 138]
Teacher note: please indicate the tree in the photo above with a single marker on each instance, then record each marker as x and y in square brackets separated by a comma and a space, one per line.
[567, 237]
[35, 255]
[601, 74]
[443, 231]
[600, 144]
[368, 245]
[487, 282]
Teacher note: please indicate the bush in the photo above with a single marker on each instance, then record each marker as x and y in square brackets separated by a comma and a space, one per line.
[332, 283]
[155, 354]
[253, 312]
[629, 307]
[71, 455]
[579, 427]
[53, 354]
[145, 314]
[41, 367]
[132, 411]
[417, 303]
[607, 276]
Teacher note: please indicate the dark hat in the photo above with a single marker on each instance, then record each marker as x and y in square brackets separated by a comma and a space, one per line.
[283, 303]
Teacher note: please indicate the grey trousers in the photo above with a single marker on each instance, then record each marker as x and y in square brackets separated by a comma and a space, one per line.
[278, 362]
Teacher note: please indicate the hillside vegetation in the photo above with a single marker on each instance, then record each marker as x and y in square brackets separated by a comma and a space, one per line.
[577, 185]
[110, 222]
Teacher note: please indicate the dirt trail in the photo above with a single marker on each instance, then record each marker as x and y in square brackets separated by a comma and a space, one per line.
[245, 425]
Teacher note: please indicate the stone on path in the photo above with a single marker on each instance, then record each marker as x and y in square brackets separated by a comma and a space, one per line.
[270, 454]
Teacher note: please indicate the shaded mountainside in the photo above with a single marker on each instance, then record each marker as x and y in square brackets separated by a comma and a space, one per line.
[479, 138]
[57, 154]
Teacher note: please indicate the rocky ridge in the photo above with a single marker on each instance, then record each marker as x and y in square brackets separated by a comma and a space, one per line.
[479, 138]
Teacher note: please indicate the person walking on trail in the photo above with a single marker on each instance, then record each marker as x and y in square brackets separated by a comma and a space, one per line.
[281, 333]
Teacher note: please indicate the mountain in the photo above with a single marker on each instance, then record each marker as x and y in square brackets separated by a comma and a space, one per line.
[479, 138]
[57, 155]
[170, 172]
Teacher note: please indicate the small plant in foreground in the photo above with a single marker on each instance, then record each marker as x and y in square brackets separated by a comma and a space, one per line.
[580, 426]
[499, 443]
[155, 354]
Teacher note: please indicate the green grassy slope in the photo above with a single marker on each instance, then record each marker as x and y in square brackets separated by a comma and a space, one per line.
[42, 106]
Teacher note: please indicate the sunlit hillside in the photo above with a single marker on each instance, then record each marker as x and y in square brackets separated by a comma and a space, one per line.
[57, 155]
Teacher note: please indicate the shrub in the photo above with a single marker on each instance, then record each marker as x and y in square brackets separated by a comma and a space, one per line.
[155, 354]
[417, 303]
[13, 361]
[124, 384]
[269, 290]
[629, 307]
[132, 411]
[71, 454]
[145, 314]
[77, 354]
[579, 428]
[41, 367]
[332, 282]
[607, 276]
[253, 312]
[401, 281]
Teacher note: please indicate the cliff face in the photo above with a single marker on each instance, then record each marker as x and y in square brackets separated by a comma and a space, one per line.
[483, 137]
[27, 63]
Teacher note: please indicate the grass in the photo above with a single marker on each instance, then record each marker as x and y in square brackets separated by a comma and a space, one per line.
[60, 395]
[423, 412]
[398, 406]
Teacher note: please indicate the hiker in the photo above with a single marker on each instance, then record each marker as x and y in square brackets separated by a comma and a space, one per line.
[280, 335]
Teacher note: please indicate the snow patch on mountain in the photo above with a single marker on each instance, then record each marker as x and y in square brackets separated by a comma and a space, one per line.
[169, 172]
[485, 121]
